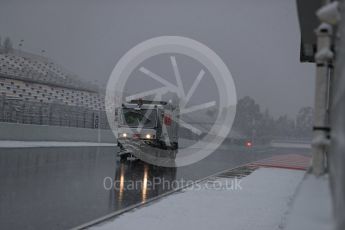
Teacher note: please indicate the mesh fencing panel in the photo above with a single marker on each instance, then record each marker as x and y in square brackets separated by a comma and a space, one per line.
[28, 112]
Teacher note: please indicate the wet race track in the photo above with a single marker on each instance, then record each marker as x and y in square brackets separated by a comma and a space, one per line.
[61, 188]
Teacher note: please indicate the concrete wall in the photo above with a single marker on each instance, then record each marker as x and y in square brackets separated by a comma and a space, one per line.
[337, 150]
[28, 132]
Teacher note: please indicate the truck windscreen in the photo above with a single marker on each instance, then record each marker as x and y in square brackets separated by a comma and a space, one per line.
[145, 118]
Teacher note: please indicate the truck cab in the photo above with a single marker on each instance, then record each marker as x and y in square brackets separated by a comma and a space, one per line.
[145, 127]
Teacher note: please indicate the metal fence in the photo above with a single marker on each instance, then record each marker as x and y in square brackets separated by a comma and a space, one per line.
[28, 112]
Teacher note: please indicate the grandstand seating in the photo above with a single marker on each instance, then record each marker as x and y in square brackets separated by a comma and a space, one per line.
[35, 78]
[35, 90]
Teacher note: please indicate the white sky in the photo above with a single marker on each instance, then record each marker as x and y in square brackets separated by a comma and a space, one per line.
[258, 40]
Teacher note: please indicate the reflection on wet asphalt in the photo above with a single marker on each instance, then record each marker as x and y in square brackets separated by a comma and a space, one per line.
[60, 188]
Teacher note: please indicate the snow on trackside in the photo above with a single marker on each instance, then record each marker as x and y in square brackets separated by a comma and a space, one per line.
[312, 206]
[260, 204]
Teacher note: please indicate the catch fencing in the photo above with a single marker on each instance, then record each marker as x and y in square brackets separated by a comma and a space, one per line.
[15, 110]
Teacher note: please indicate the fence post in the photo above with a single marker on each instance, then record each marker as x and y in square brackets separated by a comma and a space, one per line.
[95, 120]
[84, 118]
[3, 98]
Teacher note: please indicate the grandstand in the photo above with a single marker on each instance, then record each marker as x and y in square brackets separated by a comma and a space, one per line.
[36, 78]
[34, 89]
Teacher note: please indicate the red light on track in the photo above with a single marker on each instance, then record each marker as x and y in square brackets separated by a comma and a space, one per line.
[249, 144]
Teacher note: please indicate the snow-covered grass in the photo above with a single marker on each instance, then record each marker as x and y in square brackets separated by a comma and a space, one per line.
[259, 205]
[35, 144]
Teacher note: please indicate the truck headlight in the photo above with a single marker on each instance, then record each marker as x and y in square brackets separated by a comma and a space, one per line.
[148, 136]
[123, 135]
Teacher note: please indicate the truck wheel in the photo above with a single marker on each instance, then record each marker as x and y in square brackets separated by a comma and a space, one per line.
[175, 145]
[123, 157]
